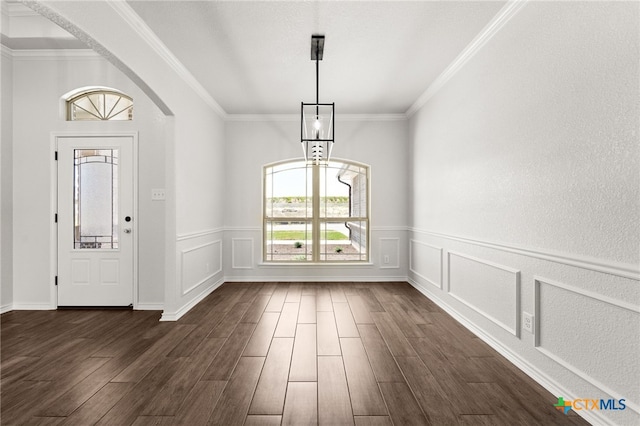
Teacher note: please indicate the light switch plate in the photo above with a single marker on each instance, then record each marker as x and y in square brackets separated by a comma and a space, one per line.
[157, 194]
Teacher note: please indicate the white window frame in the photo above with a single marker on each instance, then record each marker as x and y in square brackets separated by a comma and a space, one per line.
[316, 220]
[109, 115]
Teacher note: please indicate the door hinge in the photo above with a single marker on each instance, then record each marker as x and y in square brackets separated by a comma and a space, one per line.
[55, 217]
[56, 280]
[55, 155]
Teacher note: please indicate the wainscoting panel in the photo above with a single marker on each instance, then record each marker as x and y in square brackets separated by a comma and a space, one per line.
[425, 261]
[586, 323]
[389, 253]
[199, 270]
[243, 260]
[567, 317]
[199, 264]
[242, 253]
[490, 289]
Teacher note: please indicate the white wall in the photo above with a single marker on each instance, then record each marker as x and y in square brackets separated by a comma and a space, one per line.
[377, 141]
[40, 80]
[6, 183]
[526, 197]
[194, 168]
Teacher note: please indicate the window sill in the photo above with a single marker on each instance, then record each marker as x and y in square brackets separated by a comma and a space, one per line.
[310, 264]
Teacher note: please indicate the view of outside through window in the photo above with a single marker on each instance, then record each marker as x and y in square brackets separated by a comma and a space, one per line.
[99, 106]
[316, 212]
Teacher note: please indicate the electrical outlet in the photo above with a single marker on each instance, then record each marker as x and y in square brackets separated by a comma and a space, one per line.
[527, 322]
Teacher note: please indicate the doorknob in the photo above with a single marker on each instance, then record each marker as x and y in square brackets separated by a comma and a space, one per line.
[127, 230]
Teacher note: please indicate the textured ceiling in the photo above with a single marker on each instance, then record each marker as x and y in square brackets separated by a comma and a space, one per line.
[254, 57]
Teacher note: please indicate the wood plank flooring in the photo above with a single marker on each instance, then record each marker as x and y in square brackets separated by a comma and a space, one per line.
[264, 354]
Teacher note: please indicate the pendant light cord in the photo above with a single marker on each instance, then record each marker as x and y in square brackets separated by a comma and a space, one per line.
[317, 80]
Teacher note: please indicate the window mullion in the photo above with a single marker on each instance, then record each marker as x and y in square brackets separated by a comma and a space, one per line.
[316, 213]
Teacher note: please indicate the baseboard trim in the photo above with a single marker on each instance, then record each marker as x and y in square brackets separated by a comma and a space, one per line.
[6, 308]
[530, 370]
[315, 278]
[150, 307]
[175, 316]
[33, 307]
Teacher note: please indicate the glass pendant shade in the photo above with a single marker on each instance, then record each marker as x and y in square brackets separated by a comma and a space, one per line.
[316, 133]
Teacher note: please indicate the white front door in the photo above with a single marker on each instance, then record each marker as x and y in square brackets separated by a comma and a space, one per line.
[95, 221]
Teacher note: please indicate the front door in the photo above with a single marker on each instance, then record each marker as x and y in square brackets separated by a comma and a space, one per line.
[95, 221]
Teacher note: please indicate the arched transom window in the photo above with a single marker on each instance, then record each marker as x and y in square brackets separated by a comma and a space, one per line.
[99, 105]
[316, 212]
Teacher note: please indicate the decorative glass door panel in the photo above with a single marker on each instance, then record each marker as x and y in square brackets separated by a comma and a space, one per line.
[95, 199]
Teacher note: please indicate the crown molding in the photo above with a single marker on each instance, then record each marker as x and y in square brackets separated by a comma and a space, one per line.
[262, 117]
[14, 10]
[296, 117]
[142, 29]
[371, 117]
[493, 27]
[5, 51]
[52, 14]
[35, 54]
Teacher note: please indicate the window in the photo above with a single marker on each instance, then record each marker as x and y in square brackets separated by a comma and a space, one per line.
[99, 105]
[316, 213]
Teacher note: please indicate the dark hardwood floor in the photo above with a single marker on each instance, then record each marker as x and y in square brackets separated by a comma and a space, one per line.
[265, 354]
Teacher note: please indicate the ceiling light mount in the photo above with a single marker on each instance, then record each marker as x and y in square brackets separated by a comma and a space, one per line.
[317, 119]
[317, 47]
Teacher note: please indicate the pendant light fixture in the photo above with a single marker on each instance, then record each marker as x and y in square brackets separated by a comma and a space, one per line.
[316, 121]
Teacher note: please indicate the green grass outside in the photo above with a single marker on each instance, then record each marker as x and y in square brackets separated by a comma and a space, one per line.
[300, 235]
[333, 199]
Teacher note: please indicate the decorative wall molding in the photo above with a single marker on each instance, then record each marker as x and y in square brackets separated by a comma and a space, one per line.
[515, 330]
[437, 283]
[175, 316]
[557, 389]
[138, 25]
[396, 260]
[236, 264]
[623, 270]
[243, 228]
[593, 295]
[538, 281]
[198, 234]
[493, 27]
[389, 229]
[5, 51]
[208, 276]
